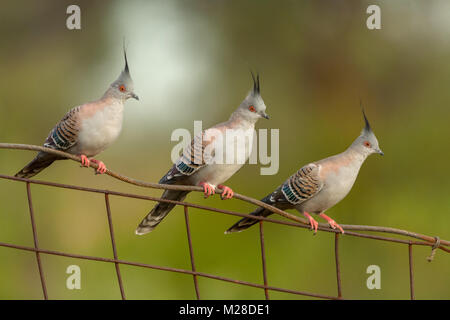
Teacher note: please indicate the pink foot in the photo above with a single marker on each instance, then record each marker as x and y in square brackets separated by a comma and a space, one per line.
[207, 189]
[101, 166]
[85, 161]
[227, 192]
[331, 222]
[314, 224]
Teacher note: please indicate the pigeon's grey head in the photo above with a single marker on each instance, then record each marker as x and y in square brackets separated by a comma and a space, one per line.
[367, 142]
[123, 87]
[253, 106]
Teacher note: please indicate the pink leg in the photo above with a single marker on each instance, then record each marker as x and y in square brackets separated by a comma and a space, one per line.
[331, 222]
[85, 161]
[314, 224]
[101, 166]
[207, 189]
[227, 192]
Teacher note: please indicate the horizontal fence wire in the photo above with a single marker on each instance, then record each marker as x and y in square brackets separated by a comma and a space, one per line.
[417, 239]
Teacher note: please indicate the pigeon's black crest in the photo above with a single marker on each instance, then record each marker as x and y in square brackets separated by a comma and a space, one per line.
[256, 87]
[125, 56]
[367, 127]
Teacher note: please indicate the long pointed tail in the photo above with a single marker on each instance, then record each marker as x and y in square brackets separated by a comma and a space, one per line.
[245, 223]
[160, 211]
[39, 163]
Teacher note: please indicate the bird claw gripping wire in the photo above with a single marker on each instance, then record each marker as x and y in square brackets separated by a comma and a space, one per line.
[436, 245]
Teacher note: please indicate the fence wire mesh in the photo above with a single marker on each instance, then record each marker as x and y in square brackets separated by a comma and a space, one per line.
[434, 242]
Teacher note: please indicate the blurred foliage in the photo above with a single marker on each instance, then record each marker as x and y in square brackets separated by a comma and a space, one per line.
[190, 60]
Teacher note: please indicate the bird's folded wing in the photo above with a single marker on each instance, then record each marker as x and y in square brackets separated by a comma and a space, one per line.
[198, 154]
[65, 134]
[302, 185]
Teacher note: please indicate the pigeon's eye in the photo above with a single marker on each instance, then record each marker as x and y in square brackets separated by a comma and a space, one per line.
[367, 144]
[122, 88]
[252, 108]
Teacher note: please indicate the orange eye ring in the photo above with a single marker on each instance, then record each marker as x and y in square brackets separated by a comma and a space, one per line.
[252, 108]
[122, 88]
[367, 144]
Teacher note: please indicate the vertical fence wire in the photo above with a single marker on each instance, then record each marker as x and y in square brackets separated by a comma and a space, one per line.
[35, 240]
[113, 243]
[191, 251]
[411, 272]
[338, 266]
[263, 259]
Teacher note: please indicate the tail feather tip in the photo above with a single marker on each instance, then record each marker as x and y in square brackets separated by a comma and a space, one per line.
[143, 230]
[233, 230]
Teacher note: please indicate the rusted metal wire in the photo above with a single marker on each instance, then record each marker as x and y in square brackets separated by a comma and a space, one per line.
[263, 258]
[191, 251]
[338, 265]
[411, 272]
[434, 242]
[35, 240]
[113, 243]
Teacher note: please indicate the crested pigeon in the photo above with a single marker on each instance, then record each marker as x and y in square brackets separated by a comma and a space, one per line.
[88, 129]
[200, 164]
[319, 185]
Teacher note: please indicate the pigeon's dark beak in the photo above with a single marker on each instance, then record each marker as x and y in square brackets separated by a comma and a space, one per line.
[381, 153]
[265, 116]
[134, 96]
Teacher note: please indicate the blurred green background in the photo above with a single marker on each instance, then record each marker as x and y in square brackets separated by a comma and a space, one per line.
[190, 60]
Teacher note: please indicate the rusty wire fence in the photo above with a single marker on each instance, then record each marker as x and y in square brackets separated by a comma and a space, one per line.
[413, 239]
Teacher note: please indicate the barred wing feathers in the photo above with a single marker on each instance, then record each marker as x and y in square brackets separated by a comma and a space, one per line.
[195, 156]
